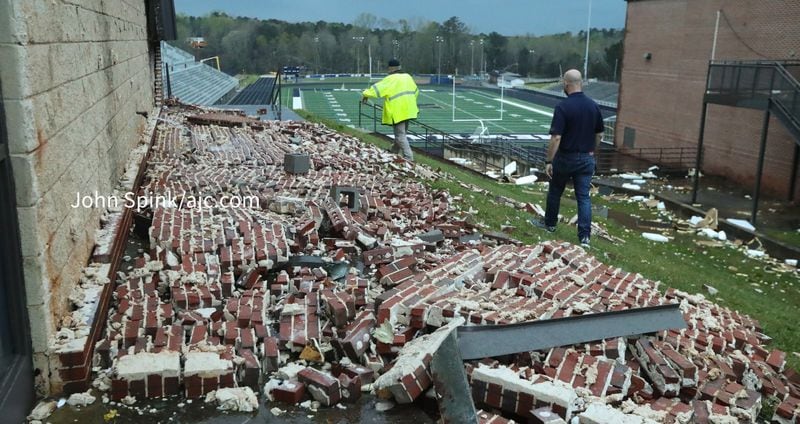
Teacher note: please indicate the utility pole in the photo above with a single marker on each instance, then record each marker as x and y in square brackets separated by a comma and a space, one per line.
[586, 56]
[440, 41]
[358, 54]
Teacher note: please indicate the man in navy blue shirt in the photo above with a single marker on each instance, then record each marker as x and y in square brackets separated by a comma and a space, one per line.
[575, 132]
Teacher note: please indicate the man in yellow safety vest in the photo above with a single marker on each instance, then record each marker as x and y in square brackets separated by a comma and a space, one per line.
[399, 93]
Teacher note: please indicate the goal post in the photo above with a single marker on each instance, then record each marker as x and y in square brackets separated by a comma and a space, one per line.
[477, 119]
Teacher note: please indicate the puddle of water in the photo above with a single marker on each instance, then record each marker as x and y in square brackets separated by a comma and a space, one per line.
[166, 411]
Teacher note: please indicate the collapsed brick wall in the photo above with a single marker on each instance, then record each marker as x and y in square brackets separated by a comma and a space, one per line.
[74, 75]
[661, 98]
[258, 296]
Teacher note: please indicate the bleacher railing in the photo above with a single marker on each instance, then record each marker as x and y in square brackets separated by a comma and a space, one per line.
[669, 160]
[610, 159]
[435, 141]
[561, 94]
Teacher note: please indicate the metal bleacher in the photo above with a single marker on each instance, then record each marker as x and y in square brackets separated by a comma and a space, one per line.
[193, 82]
[257, 93]
[601, 91]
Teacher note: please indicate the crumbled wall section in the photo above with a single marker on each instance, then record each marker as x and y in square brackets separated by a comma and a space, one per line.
[73, 75]
[662, 98]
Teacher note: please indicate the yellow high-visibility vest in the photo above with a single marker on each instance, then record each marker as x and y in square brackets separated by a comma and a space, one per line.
[399, 93]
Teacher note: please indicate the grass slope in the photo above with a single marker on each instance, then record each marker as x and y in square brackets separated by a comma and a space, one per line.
[756, 288]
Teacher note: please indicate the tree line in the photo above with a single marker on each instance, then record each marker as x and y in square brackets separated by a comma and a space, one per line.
[252, 46]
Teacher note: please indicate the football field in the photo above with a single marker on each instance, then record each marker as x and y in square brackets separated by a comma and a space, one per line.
[437, 109]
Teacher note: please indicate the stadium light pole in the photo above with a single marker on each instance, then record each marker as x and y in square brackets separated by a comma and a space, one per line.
[472, 57]
[440, 41]
[358, 54]
[483, 70]
[530, 56]
[586, 56]
[316, 52]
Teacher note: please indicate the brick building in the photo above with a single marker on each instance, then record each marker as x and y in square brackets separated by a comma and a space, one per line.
[668, 45]
[76, 79]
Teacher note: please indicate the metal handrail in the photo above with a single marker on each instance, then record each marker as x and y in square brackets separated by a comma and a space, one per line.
[755, 62]
[786, 74]
[669, 158]
[275, 97]
[498, 146]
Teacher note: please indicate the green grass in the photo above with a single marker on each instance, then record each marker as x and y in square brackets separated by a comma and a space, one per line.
[681, 263]
[789, 237]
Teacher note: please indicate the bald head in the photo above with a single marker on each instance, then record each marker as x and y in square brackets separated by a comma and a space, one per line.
[572, 81]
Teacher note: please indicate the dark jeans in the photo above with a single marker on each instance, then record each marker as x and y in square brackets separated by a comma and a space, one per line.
[578, 167]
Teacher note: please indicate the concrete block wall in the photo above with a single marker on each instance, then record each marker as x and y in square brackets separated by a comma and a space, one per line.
[73, 76]
[661, 98]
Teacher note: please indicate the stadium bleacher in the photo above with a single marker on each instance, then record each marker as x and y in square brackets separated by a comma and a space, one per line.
[257, 93]
[194, 82]
[599, 90]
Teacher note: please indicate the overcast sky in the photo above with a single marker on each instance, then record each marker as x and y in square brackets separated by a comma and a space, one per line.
[508, 17]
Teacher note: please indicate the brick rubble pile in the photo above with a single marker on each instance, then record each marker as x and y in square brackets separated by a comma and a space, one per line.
[336, 282]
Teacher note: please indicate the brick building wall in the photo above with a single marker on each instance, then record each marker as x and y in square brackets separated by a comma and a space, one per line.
[73, 76]
[661, 98]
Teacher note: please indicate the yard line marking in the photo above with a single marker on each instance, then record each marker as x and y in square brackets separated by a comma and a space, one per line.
[521, 106]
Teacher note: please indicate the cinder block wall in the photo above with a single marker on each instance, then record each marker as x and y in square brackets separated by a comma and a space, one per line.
[661, 98]
[73, 75]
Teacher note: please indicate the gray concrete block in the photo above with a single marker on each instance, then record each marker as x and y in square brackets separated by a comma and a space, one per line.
[12, 23]
[41, 324]
[25, 179]
[296, 163]
[13, 75]
[28, 220]
[37, 286]
[21, 136]
[353, 201]
[433, 236]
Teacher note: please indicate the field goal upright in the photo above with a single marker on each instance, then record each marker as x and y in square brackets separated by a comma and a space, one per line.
[477, 118]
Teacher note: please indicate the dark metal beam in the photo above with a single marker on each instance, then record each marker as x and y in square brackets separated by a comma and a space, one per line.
[450, 382]
[699, 160]
[793, 180]
[760, 170]
[482, 341]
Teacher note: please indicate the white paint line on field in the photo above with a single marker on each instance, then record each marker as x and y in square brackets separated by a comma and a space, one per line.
[521, 106]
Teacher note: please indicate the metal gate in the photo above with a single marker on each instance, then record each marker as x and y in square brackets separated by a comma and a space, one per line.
[16, 368]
